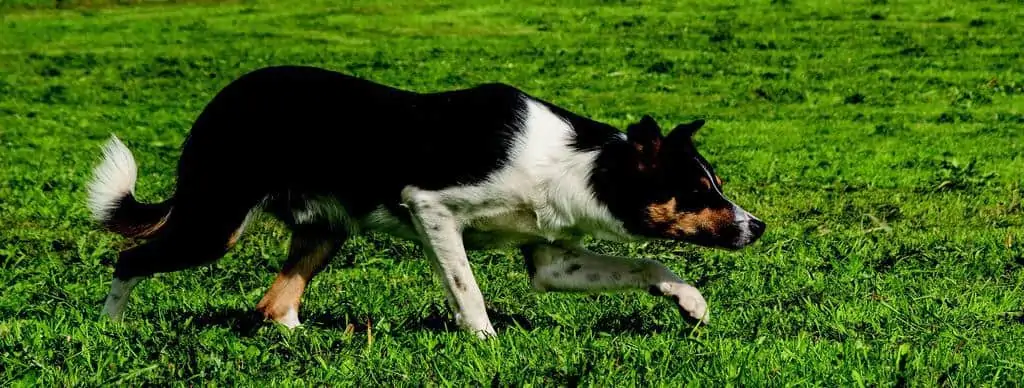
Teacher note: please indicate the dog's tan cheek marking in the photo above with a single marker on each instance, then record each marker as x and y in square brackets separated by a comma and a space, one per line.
[664, 216]
[713, 220]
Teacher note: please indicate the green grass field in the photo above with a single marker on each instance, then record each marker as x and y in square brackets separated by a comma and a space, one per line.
[881, 141]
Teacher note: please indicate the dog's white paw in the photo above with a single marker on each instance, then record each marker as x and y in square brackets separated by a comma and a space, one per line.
[290, 319]
[480, 327]
[688, 299]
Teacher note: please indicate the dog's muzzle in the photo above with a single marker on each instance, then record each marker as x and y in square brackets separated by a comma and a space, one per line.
[750, 228]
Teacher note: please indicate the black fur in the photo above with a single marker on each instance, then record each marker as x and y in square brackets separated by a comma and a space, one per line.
[284, 135]
[281, 136]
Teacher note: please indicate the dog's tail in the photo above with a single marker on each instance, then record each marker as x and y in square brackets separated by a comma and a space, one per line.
[112, 195]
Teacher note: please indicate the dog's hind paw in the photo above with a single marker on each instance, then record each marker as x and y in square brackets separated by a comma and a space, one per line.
[290, 319]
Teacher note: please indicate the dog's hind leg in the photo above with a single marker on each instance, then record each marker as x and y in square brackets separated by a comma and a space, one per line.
[567, 267]
[117, 298]
[311, 248]
[193, 235]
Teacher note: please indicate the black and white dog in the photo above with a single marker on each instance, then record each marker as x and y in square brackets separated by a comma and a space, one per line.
[331, 155]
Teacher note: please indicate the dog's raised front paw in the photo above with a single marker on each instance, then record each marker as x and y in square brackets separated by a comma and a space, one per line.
[688, 299]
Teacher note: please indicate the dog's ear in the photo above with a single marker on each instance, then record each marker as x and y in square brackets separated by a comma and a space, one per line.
[646, 138]
[684, 132]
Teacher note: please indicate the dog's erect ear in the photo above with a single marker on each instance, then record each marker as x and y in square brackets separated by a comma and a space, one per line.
[644, 131]
[688, 129]
[646, 138]
[684, 131]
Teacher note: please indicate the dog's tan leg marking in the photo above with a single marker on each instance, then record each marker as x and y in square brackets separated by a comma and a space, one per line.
[567, 267]
[307, 255]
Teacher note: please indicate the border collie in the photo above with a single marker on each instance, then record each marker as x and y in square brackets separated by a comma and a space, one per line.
[486, 167]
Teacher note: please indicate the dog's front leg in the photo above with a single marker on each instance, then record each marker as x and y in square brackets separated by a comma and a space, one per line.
[441, 236]
[569, 267]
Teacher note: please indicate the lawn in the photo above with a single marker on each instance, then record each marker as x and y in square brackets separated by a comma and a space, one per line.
[881, 142]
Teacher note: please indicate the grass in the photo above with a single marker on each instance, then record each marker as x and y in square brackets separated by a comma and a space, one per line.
[881, 141]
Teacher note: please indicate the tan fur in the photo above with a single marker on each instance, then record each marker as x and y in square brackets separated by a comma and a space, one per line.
[704, 181]
[139, 231]
[673, 223]
[234, 238]
[305, 258]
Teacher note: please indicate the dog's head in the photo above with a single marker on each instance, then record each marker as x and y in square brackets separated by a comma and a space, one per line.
[667, 190]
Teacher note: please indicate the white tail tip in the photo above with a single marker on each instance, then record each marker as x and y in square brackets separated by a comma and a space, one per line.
[112, 180]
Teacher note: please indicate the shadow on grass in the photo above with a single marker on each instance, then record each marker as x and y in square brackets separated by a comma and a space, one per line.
[246, 323]
[243, 322]
[439, 321]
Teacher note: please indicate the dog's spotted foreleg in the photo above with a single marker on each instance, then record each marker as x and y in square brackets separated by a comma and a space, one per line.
[442, 240]
[567, 267]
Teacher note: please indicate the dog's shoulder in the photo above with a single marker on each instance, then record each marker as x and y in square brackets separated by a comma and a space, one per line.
[543, 187]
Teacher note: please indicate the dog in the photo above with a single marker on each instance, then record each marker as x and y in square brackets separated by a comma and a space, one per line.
[332, 155]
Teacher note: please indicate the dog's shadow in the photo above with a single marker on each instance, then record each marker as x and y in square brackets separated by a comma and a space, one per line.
[243, 322]
[247, 322]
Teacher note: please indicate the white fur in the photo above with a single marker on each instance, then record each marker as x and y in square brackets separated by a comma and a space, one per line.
[556, 178]
[743, 218]
[117, 298]
[290, 319]
[543, 192]
[112, 180]
[441, 238]
[562, 267]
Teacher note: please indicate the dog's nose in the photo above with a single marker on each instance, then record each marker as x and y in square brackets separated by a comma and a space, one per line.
[756, 228]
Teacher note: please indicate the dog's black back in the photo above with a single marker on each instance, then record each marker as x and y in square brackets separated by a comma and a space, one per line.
[309, 131]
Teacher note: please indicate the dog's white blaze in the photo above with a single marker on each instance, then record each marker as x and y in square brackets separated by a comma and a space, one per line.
[112, 179]
[711, 178]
